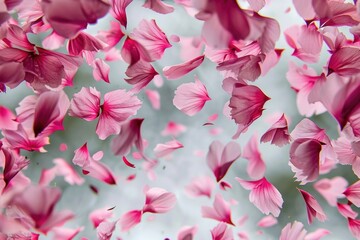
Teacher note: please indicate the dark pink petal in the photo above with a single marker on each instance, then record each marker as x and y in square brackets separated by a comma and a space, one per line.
[177, 71]
[130, 134]
[152, 38]
[132, 52]
[256, 166]
[82, 156]
[345, 61]
[346, 210]
[154, 98]
[263, 195]
[119, 10]
[84, 42]
[267, 221]
[99, 215]
[61, 233]
[354, 227]
[105, 230]
[246, 104]
[129, 164]
[158, 200]
[190, 98]
[200, 186]
[130, 219]
[305, 159]
[101, 70]
[7, 119]
[187, 233]
[294, 231]
[164, 149]
[220, 157]
[68, 17]
[222, 232]
[331, 189]
[111, 36]
[352, 193]
[220, 211]
[11, 74]
[13, 163]
[140, 75]
[278, 133]
[313, 208]
[85, 104]
[158, 6]
[118, 106]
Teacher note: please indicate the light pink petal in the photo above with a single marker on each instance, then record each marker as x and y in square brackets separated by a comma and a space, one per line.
[130, 134]
[82, 156]
[154, 98]
[318, 234]
[190, 98]
[118, 106]
[256, 166]
[152, 38]
[220, 157]
[331, 189]
[313, 208]
[256, 5]
[85, 104]
[305, 159]
[200, 186]
[163, 149]
[111, 36]
[263, 195]
[159, 200]
[346, 210]
[177, 71]
[345, 61]
[246, 104]
[99, 215]
[105, 230]
[187, 233]
[119, 10]
[158, 6]
[100, 171]
[308, 129]
[53, 41]
[271, 59]
[140, 75]
[267, 221]
[13, 163]
[101, 70]
[294, 231]
[220, 211]
[222, 232]
[354, 227]
[65, 233]
[352, 193]
[278, 133]
[130, 219]
[173, 129]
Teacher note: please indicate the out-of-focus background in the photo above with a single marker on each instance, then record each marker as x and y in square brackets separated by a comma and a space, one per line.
[175, 172]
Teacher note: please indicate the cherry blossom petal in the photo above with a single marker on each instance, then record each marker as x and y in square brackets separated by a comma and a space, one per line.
[84, 42]
[85, 104]
[278, 133]
[177, 71]
[313, 208]
[99, 215]
[352, 193]
[345, 61]
[53, 41]
[105, 230]
[346, 210]
[159, 200]
[256, 166]
[101, 70]
[267, 221]
[220, 157]
[130, 219]
[140, 75]
[222, 231]
[354, 227]
[61, 233]
[163, 149]
[158, 6]
[200, 186]
[220, 211]
[119, 10]
[331, 189]
[13, 163]
[294, 231]
[190, 98]
[318, 234]
[263, 195]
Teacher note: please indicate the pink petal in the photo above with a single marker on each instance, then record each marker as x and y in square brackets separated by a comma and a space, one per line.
[85, 104]
[61, 233]
[294, 231]
[167, 148]
[190, 98]
[84, 42]
[7, 119]
[308, 129]
[305, 160]
[111, 36]
[158, 6]
[101, 70]
[130, 219]
[99, 215]
[354, 227]
[222, 232]
[346, 210]
[129, 164]
[173, 129]
[191, 47]
[177, 71]
[256, 5]
[345, 61]
[119, 10]
[220, 211]
[82, 156]
[187, 233]
[105, 230]
[132, 52]
[200, 186]
[220, 157]
[278, 133]
[154, 98]
[159, 200]
[305, 9]
[267, 221]
[352, 193]
[118, 106]
[331, 189]
[318, 234]
[53, 41]
[313, 208]
[256, 166]
[140, 75]
[13, 163]
[263, 195]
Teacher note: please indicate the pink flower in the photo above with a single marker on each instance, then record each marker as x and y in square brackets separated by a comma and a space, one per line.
[313, 208]
[263, 195]
[190, 98]
[220, 157]
[220, 211]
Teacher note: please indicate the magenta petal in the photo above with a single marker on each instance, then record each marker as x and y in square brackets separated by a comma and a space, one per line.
[313, 208]
[85, 104]
[130, 219]
[220, 211]
[177, 71]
